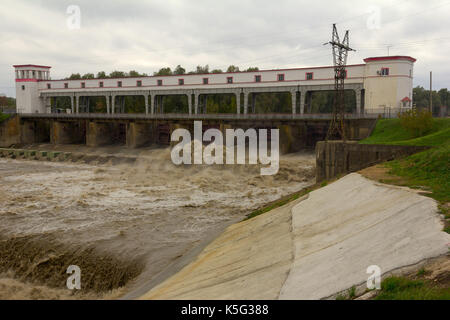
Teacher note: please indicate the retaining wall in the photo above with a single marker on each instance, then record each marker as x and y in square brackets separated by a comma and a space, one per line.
[337, 157]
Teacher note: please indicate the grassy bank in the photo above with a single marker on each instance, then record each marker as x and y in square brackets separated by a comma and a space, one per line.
[403, 288]
[430, 169]
[390, 131]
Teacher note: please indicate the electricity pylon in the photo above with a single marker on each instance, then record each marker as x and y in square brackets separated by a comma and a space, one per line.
[340, 53]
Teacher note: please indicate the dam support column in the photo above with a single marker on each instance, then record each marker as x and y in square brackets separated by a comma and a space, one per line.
[245, 102]
[146, 103]
[72, 104]
[152, 104]
[77, 104]
[294, 101]
[238, 102]
[196, 98]
[139, 134]
[302, 101]
[358, 101]
[67, 132]
[108, 106]
[35, 131]
[113, 104]
[99, 133]
[189, 97]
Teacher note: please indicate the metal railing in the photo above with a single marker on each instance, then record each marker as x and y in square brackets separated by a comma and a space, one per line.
[182, 116]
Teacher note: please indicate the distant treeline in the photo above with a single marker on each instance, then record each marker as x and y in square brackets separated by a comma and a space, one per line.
[7, 102]
[421, 98]
[167, 71]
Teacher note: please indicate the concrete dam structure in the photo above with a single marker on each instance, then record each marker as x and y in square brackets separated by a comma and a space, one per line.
[134, 131]
[378, 84]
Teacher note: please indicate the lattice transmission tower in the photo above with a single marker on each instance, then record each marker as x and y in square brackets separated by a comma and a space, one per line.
[340, 53]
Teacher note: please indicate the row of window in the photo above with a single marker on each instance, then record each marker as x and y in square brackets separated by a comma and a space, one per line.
[258, 78]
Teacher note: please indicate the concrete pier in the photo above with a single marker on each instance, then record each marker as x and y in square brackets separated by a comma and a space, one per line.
[66, 132]
[140, 134]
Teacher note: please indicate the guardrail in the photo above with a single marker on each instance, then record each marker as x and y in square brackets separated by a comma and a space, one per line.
[182, 116]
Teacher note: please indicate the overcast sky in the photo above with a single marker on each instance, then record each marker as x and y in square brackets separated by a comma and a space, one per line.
[147, 35]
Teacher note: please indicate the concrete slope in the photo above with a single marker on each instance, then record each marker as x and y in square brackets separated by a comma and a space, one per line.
[354, 223]
[250, 260]
[314, 247]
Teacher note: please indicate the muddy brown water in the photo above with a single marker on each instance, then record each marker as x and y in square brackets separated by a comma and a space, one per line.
[117, 222]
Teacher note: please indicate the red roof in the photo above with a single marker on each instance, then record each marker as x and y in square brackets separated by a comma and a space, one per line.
[390, 58]
[406, 99]
[30, 65]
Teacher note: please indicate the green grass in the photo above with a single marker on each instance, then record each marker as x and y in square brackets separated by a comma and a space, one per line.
[401, 288]
[429, 169]
[389, 131]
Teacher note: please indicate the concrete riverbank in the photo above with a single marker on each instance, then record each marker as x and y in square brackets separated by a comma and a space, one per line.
[316, 246]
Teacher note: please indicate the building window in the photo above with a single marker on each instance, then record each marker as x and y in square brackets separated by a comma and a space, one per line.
[119, 84]
[384, 71]
[160, 83]
[205, 80]
[139, 83]
[180, 82]
[23, 87]
[309, 76]
[34, 74]
[280, 77]
[83, 85]
[49, 86]
[66, 85]
[229, 79]
[100, 84]
[258, 78]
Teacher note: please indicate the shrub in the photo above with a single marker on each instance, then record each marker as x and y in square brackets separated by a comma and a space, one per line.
[416, 122]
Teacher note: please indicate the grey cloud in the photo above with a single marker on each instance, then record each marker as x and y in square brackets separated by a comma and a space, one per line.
[146, 35]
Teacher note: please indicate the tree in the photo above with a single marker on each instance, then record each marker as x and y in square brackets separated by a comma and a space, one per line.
[163, 72]
[233, 68]
[252, 69]
[88, 76]
[101, 75]
[134, 73]
[444, 96]
[201, 69]
[217, 71]
[118, 74]
[74, 76]
[421, 98]
[179, 70]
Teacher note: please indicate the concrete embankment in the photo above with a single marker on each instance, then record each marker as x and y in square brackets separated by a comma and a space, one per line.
[314, 247]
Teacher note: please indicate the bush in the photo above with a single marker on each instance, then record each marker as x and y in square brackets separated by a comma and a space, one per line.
[416, 122]
[3, 116]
